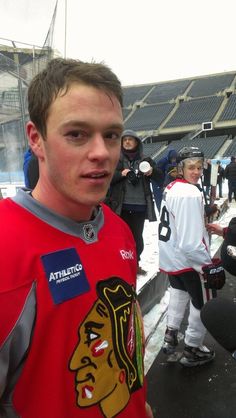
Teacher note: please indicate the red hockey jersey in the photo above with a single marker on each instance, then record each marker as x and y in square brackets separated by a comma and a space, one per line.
[71, 332]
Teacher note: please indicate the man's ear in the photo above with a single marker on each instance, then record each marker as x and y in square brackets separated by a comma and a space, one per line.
[35, 139]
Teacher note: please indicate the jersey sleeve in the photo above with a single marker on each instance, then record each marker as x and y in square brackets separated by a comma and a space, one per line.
[17, 313]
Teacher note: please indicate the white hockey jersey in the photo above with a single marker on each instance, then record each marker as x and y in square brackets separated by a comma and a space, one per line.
[183, 238]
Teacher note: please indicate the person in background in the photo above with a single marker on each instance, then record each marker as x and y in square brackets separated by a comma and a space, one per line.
[30, 169]
[163, 164]
[171, 174]
[228, 248]
[207, 177]
[27, 156]
[220, 178]
[184, 255]
[130, 194]
[230, 175]
[71, 269]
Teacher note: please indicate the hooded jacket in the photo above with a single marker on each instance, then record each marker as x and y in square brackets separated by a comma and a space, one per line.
[164, 163]
[230, 171]
[229, 262]
[119, 184]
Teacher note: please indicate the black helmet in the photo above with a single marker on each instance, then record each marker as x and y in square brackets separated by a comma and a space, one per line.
[190, 152]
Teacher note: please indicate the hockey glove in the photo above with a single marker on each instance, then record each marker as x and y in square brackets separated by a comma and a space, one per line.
[214, 275]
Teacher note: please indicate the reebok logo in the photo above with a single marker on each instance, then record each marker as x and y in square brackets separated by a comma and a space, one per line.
[127, 255]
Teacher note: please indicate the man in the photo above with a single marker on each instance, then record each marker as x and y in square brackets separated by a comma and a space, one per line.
[228, 248]
[171, 174]
[184, 252]
[59, 245]
[30, 169]
[207, 177]
[130, 194]
[220, 177]
[163, 164]
[230, 175]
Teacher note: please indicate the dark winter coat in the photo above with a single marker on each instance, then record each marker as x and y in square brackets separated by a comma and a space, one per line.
[31, 169]
[164, 163]
[229, 262]
[207, 175]
[27, 156]
[116, 193]
[220, 175]
[230, 172]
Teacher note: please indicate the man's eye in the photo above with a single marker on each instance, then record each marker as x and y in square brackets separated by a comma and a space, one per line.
[74, 134]
[76, 137]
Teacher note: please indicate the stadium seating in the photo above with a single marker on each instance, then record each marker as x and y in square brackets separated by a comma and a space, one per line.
[210, 146]
[231, 150]
[149, 117]
[210, 86]
[167, 91]
[134, 94]
[168, 112]
[150, 150]
[194, 112]
[230, 109]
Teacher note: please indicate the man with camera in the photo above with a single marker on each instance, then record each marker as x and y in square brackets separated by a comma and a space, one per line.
[130, 194]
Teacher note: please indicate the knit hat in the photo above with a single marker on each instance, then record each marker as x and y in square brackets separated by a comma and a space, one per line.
[229, 263]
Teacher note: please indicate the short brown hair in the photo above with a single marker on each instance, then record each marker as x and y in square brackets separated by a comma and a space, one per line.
[58, 76]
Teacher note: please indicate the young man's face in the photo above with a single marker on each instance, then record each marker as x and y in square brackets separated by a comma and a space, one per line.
[81, 150]
[192, 170]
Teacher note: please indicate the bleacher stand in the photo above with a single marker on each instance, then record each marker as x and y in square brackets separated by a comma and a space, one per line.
[167, 91]
[194, 111]
[149, 117]
[230, 109]
[168, 111]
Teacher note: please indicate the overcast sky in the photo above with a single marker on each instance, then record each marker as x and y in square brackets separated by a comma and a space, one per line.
[142, 41]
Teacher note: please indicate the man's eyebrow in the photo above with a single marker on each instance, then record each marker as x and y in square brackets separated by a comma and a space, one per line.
[84, 124]
[75, 123]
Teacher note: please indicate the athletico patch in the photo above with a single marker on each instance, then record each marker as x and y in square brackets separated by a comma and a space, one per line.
[65, 274]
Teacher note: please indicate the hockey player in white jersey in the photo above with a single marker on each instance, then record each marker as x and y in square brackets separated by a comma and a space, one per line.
[185, 256]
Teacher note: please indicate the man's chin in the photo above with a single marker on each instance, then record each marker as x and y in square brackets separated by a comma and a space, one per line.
[95, 200]
[194, 182]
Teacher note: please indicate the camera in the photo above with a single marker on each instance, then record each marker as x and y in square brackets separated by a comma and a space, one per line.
[133, 176]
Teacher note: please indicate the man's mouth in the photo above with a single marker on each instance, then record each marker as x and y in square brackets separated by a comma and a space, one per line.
[96, 175]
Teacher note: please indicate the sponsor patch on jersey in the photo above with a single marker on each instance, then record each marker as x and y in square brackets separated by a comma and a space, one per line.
[65, 274]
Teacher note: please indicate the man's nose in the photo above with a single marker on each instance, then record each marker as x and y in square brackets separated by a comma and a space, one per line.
[99, 148]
